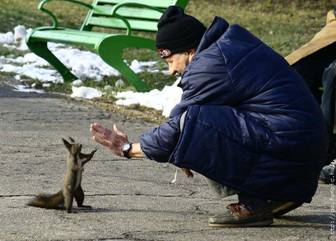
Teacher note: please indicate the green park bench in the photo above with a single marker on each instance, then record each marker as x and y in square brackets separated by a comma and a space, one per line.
[128, 15]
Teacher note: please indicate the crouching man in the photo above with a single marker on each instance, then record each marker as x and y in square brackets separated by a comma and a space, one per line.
[246, 120]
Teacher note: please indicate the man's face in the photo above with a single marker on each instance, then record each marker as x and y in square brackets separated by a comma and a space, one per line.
[178, 62]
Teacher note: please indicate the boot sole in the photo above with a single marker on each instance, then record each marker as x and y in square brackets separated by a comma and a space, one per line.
[241, 225]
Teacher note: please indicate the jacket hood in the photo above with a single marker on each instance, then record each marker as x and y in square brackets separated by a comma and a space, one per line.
[195, 89]
[213, 33]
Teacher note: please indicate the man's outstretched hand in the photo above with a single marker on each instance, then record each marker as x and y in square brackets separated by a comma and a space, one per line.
[113, 139]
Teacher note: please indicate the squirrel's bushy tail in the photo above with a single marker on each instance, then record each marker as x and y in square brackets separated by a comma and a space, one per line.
[49, 201]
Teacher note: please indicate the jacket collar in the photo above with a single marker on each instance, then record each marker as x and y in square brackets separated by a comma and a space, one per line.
[217, 28]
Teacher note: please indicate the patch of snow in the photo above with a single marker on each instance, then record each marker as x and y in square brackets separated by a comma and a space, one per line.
[23, 88]
[163, 100]
[85, 92]
[6, 38]
[77, 83]
[44, 75]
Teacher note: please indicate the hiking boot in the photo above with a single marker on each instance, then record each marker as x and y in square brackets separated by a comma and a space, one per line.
[239, 215]
[281, 208]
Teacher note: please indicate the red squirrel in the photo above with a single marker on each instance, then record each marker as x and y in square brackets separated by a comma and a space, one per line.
[72, 181]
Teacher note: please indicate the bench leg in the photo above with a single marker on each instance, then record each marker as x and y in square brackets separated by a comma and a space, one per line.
[41, 49]
[110, 50]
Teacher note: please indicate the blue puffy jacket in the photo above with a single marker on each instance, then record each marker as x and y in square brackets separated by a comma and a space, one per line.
[251, 122]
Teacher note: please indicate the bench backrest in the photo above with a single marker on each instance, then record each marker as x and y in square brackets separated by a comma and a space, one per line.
[139, 18]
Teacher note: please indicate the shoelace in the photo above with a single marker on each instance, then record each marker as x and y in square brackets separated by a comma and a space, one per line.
[236, 209]
[235, 206]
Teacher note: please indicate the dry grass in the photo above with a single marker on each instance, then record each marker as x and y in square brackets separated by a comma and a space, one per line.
[284, 25]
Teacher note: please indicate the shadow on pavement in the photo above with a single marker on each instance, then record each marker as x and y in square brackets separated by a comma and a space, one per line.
[117, 210]
[317, 221]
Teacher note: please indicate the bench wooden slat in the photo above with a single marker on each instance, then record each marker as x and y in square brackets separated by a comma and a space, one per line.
[128, 12]
[69, 36]
[150, 26]
[153, 3]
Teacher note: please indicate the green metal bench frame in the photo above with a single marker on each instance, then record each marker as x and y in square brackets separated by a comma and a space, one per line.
[129, 15]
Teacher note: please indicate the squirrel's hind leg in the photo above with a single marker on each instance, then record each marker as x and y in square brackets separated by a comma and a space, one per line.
[79, 196]
[68, 199]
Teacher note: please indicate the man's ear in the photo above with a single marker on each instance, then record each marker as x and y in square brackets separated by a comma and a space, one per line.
[191, 54]
[191, 51]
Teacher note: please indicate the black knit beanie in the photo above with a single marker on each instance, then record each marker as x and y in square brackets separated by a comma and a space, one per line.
[177, 32]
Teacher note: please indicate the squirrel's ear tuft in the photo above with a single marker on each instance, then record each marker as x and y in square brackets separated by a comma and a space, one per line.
[67, 144]
[71, 139]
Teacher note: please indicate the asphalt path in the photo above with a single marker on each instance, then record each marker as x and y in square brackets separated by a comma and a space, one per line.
[131, 199]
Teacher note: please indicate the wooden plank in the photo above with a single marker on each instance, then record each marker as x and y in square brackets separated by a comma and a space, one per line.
[69, 36]
[153, 3]
[140, 13]
[136, 24]
[133, 14]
